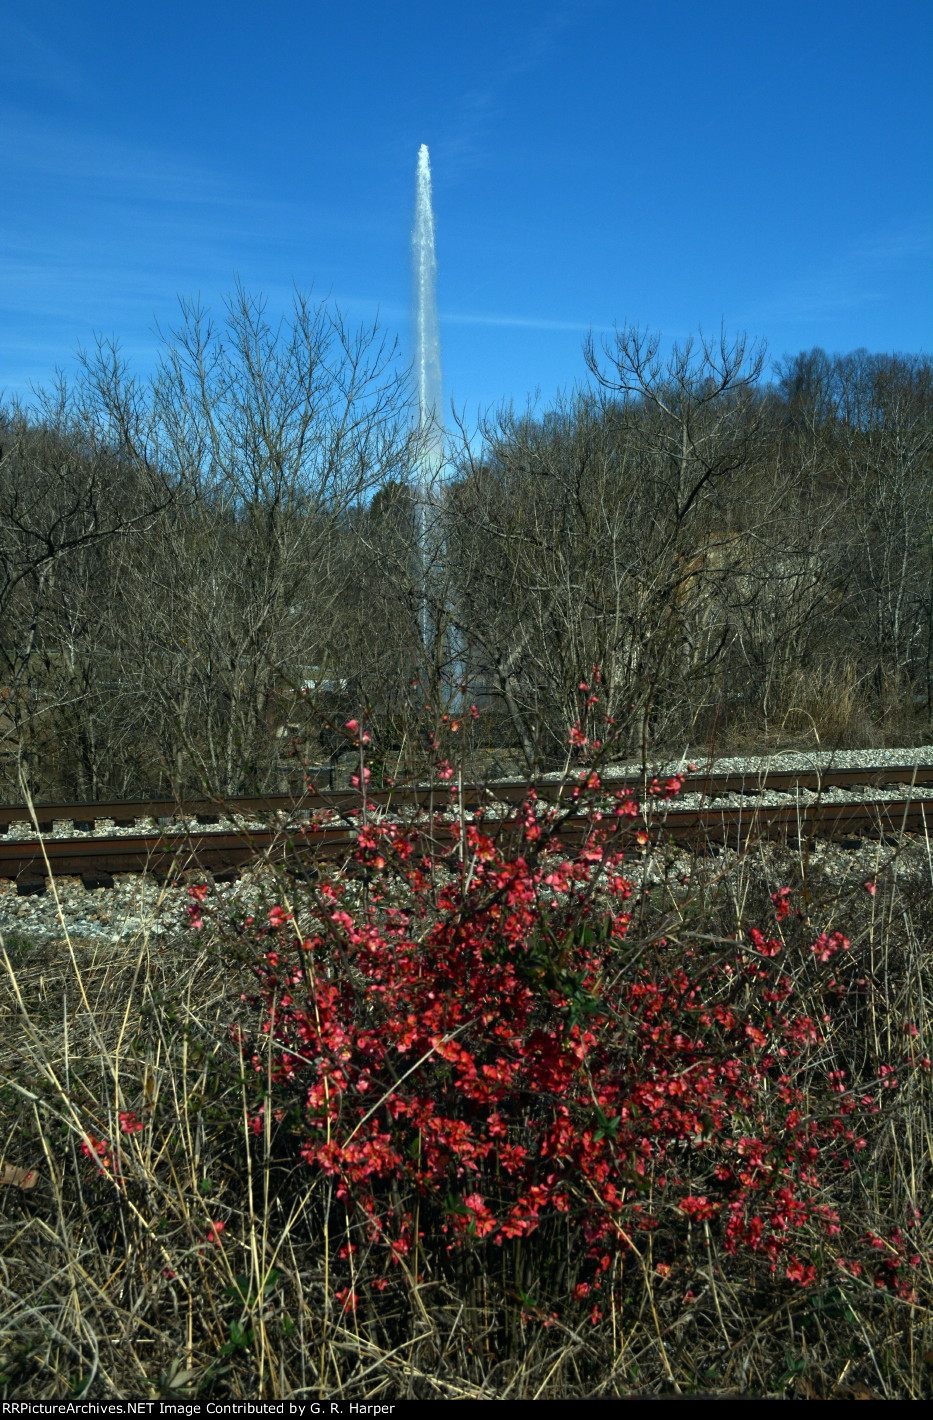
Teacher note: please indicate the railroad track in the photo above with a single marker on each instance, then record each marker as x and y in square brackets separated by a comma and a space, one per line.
[127, 812]
[296, 841]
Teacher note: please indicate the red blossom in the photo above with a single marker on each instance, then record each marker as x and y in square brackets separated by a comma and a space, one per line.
[799, 1272]
[782, 906]
[698, 1207]
[769, 948]
[827, 946]
[510, 1065]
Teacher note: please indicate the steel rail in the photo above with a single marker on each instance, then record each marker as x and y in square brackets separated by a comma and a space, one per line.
[127, 812]
[298, 847]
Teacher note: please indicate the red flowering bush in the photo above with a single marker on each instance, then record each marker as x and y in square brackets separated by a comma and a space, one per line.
[514, 1110]
[487, 1050]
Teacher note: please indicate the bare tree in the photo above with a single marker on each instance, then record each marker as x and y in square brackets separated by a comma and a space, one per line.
[578, 537]
[65, 493]
[696, 411]
[274, 435]
[861, 426]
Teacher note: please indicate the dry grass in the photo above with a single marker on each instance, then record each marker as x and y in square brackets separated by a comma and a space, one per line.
[827, 704]
[117, 1289]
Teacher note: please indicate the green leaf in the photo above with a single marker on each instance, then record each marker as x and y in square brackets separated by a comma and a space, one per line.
[241, 1337]
[240, 1290]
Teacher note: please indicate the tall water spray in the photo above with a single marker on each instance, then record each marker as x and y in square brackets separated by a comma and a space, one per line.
[427, 371]
[427, 331]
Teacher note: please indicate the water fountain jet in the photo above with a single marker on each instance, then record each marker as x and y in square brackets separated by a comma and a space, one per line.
[427, 330]
[427, 374]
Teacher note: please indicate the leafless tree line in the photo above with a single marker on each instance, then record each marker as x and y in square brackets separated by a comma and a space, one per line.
[210, 571]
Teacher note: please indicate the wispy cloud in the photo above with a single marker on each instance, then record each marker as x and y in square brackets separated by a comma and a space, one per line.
[856, 280]
[41, 150]
[33, 62]
[100, 232]
[63, 160]
[521, 322]
[89, 213]
[892, 247]
[478, 108]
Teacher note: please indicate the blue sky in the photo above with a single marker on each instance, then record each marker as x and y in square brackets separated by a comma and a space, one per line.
[673, 164]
